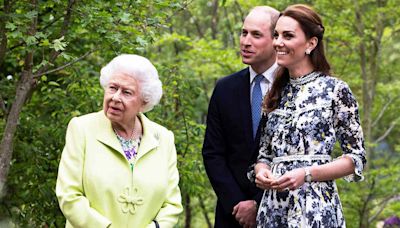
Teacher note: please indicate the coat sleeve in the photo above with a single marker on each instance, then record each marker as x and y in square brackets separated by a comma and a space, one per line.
[215, 156]
[168, 215]
[69, 189]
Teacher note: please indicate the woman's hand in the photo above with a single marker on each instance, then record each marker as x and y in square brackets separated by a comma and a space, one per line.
[264, 177]
[290, 180]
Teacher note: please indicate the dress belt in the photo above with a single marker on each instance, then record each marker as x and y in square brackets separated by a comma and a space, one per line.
[302, 157]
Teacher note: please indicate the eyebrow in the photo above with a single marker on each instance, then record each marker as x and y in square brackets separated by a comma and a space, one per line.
[289, 31]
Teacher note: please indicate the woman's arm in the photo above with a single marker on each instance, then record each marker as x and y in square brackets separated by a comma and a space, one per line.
[333, 170]
[348, 130]
[172, 206]
[349, 133]
[69, 190]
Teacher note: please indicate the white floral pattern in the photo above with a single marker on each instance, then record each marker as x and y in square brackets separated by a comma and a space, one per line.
[314, 111]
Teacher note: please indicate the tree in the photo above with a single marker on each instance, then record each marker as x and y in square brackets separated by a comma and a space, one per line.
[359, 41]
[39, 40]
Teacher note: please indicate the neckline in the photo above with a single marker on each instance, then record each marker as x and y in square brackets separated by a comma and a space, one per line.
[130, 140]
[305, 78]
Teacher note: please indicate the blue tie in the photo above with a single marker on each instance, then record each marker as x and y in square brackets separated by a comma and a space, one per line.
[256, 100]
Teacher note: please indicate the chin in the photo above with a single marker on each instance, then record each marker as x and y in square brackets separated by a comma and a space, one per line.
[246, 61]
[281, 63]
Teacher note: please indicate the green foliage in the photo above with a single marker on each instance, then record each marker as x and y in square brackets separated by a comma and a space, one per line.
[39, 143]
[377, 195]
[192, 44]
[103, 27]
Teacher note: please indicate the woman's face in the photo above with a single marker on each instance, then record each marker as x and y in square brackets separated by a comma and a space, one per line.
[290, 44]
[122, 99]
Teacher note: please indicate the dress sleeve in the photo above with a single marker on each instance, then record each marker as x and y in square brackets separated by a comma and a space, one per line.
[348, 129]
[69, 189]
[172, 206]
[263, 151]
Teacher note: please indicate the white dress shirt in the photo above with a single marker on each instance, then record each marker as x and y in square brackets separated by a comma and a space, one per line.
[266, 82]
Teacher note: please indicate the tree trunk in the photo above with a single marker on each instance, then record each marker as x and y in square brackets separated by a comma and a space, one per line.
[25, 87]
[369, 52]
[204, 210]
[188, 212]
[214, 19]
[3, 31]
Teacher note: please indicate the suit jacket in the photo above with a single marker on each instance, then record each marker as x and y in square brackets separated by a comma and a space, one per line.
[96, 187]
[229, 147]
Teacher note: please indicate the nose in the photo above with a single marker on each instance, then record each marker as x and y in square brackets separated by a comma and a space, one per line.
[116, 97]
[246, 40]
[278, 42]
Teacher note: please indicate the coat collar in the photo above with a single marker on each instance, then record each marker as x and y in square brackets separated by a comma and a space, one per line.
[105, 134]
[150, 138]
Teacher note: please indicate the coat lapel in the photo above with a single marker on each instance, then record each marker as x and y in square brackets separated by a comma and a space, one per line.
[243, 96]
[150, 139]
[105, 133]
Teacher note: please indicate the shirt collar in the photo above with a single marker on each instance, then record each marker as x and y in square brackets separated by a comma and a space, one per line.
[269, 74]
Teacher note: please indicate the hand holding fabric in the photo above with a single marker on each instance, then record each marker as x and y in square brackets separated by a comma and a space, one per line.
[290, 180]
[264, 177]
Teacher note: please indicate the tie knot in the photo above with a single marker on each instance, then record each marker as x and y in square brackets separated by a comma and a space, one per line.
[258, 78]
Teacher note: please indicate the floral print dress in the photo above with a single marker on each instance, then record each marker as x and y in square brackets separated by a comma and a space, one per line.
[130, 148]
[314, 111]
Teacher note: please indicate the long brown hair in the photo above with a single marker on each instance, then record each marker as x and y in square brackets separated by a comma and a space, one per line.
[311, 24]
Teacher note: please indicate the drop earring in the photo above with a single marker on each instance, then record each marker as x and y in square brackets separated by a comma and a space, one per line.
[308, 51]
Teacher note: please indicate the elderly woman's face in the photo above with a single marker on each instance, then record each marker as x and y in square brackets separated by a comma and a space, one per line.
[122, 99]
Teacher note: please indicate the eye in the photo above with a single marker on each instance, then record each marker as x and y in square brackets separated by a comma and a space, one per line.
[257, 35]
[276, 35]
[243, 33]
[112, 88]
[288, 36]
[128, 92]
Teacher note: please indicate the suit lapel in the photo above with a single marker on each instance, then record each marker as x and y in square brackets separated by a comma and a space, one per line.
[243, 97]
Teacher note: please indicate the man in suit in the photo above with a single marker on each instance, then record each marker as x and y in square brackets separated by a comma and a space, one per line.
[230, 139]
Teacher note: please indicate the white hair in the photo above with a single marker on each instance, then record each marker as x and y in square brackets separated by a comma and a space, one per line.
[140, 69]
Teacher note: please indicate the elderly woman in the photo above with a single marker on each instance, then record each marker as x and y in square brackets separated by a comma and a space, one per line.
[118, 168]
[307, 110]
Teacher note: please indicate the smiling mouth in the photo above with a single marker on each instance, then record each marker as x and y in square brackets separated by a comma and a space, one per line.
[281, 53]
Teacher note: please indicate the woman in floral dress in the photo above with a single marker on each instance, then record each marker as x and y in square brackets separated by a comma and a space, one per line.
[306, 111]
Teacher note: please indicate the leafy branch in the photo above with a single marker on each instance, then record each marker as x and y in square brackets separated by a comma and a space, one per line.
[65, 65]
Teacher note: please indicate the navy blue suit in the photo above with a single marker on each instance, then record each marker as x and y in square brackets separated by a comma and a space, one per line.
[229, 147]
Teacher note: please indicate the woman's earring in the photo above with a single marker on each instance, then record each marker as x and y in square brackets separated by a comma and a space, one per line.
[308, 51]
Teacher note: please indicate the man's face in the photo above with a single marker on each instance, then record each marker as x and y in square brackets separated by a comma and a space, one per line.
[256, 41]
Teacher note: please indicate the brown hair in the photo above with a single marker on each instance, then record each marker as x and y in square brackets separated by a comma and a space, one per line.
[311, 24]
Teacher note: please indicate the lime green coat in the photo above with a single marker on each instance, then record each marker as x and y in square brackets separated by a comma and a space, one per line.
[96, 187]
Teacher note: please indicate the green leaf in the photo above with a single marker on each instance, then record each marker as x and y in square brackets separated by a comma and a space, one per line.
[53, 83]
[10, 26]
[59, 45]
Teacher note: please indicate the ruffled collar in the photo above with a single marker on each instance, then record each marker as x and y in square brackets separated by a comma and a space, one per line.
[305, 79]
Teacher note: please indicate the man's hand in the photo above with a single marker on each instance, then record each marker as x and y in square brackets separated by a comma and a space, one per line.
[245, 213]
